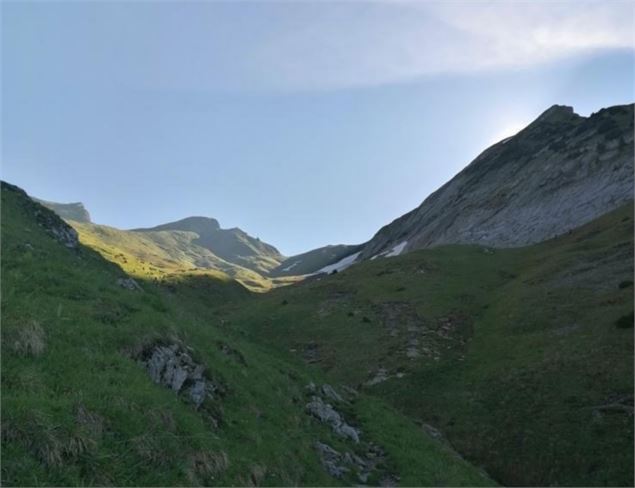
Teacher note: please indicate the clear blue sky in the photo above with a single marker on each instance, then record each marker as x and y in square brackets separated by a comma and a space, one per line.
[304, 124]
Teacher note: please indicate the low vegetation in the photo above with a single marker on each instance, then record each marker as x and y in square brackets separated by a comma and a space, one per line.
[79, 406]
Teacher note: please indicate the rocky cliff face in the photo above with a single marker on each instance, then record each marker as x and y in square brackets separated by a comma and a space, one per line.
[558, 173]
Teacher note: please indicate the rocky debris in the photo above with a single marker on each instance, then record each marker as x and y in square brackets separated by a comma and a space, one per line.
[64, 234]
[325, 413]
[172, 367]
[340, 463]
[331, 460]
[129, 284]
[380, 376]
[560, 172]
[432, 431]
[329, 392]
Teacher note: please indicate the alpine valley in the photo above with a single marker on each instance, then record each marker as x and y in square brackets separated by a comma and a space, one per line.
[484, 338]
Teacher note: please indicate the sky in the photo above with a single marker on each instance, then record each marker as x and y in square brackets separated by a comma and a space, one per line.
[303, 123]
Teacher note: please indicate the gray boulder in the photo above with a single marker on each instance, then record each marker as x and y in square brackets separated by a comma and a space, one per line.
[325, 413]
[173, 368]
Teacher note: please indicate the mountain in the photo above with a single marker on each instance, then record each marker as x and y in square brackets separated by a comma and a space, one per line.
[560, 172]
[314, 260]
[232, 245]
[68, 211]
[113, 382]
[163, 254]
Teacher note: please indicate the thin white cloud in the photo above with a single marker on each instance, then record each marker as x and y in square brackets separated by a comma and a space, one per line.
[335, 45]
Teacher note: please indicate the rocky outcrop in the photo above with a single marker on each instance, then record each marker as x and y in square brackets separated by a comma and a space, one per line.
[173, 367]
[560, 172]
[129, 284]
[325, 413]
[47, 219]
[362, 461]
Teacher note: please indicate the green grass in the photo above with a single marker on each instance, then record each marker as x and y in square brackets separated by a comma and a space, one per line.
[161, 255]
[520, 350]
[78, 409]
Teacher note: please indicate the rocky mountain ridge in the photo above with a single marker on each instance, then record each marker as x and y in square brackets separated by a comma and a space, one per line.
[558, 173]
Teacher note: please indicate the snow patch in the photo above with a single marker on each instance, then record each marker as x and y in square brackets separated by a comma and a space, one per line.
[341, 265]
[397, 250]
[291, 266]
[394, 251]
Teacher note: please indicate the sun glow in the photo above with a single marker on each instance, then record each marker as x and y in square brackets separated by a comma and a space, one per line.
[506, 132]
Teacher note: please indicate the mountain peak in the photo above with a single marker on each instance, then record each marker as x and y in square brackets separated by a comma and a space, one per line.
[558, 113]
[68, 211]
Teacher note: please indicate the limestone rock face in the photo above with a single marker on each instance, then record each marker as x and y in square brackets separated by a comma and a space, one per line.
[558, 173]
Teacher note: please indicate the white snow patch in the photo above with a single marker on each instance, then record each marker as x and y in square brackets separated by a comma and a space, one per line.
[291, 266]
[341, 265]
[396, 250]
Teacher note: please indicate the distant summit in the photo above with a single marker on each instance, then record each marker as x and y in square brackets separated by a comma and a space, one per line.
[68, 211]
[232, 245]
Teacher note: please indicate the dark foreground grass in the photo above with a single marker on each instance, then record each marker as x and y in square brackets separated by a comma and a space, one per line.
[522, 358]
[78, 409]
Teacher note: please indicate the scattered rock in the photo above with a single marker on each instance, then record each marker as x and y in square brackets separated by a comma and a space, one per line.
[331, 460]
[339, 464]
[432, 432]
[381, 375]
[328, 415]
[329, 392]
[129, 284]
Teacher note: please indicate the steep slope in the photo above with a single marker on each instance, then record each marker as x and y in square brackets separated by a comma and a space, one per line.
[521, 357]
[561, 171]
[68, 211]
[104, 384]
[232, 245]
[314, 260]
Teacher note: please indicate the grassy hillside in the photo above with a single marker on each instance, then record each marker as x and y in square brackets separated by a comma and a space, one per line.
[233, 245]
[164, 254]
[522, 358]
[79, 406]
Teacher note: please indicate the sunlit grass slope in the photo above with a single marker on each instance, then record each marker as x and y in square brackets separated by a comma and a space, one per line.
[162, 254]
[523, 358]
[78, 408]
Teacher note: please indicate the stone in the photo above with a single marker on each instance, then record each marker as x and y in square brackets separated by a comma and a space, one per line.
[129, 284]
[329, 392]
[174, 368]
[328, 415]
